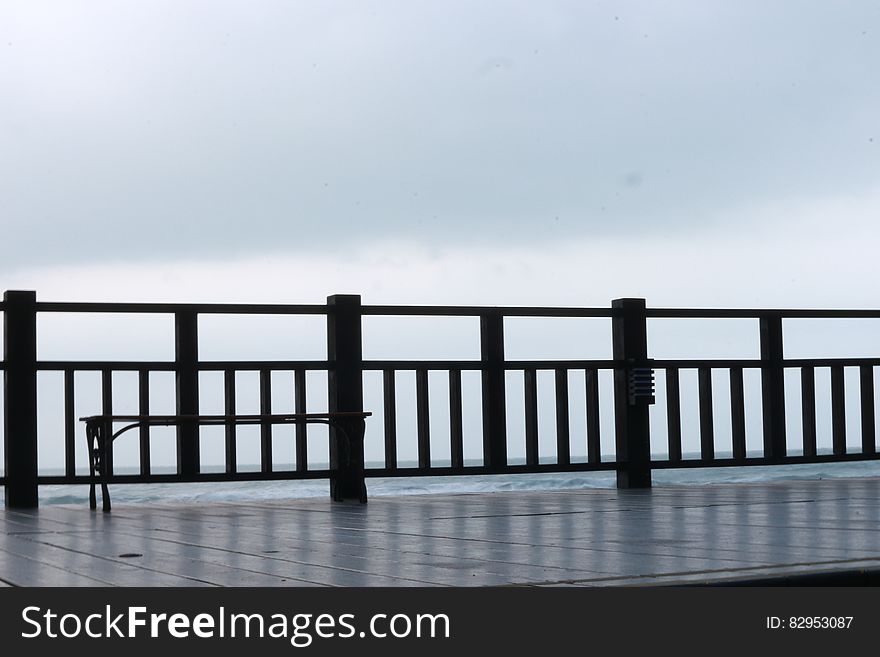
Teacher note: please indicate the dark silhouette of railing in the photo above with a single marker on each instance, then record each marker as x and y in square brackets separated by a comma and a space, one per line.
[345, 367]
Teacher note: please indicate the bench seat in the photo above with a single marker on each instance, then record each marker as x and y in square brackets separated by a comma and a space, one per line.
[347, 469]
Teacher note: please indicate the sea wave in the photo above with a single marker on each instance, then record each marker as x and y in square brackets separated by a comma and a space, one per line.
[255, 491]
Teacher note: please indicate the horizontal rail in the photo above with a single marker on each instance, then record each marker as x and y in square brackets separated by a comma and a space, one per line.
[761, 460]
[477, 311]
[170, 366]
[314, 309]
[370, 365]
[697, 363]
[830, 362]
[325, 473]
[522, 468]
[466, 311]
[754, 313]
[377, 365]
[479, 365]
[170, 308]
[101, 365]
[440, 471]
[249, 365]
[252, 475]
[560, 364]
[717, 363]
[436, 364]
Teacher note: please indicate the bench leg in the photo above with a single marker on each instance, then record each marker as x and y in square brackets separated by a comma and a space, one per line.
[99, 435]
[105, 497]
[106, 443]
[92, 439]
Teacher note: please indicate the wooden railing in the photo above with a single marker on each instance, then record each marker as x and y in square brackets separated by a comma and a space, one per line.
[345, 367]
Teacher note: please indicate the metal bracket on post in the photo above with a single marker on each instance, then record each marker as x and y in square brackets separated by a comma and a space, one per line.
[641, 382]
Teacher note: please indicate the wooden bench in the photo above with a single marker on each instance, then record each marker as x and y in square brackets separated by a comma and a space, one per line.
[347, 471]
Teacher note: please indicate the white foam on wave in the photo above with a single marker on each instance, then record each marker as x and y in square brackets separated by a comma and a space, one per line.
[245, 491]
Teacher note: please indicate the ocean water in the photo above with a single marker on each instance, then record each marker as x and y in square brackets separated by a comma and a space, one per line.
[244, 491]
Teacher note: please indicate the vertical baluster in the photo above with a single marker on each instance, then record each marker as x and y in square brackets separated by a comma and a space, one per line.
[299, 401]
[390, 400]
[530, 384]
[563, 442]
[591, 388]
[808, 409]
[456, 446]
[107, 409]
[838, 410]
[424, 428]
[673, 414]
[737, 413]
[144, 430]
[866, 388]
[69, 425]
[265, 427]
[230, 429]
[707, 428]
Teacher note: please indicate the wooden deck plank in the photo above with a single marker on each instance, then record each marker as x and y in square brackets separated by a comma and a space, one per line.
[394, 550]
[421, 566]
[19, 571]
[72, 553]
[581, 537]
[386, 556]
[268, 567]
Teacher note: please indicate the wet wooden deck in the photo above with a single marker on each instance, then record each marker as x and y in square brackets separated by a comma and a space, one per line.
[666, 535]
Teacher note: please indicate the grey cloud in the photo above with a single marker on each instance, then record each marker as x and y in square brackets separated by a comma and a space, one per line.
[177, 131]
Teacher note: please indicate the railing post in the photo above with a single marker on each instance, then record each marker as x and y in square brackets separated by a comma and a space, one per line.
[20, 398]
[345, 393]
[772, 387]
[186, 357]
[633, 441]
[494, 408]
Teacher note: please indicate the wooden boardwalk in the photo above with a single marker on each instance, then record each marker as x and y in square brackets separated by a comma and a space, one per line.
[667, 535]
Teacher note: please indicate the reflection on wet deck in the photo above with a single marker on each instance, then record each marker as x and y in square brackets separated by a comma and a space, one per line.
[584, 537]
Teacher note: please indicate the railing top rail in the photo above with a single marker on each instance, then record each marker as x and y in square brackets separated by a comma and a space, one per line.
[461, 311]
[477, 364]
[315, 309]
[203, 365]
[170, 308]
[757, 313]
[477, 311]
[441, 364]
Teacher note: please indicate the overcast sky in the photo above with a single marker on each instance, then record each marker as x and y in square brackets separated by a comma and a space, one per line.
[544, 153]
[441, 151]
